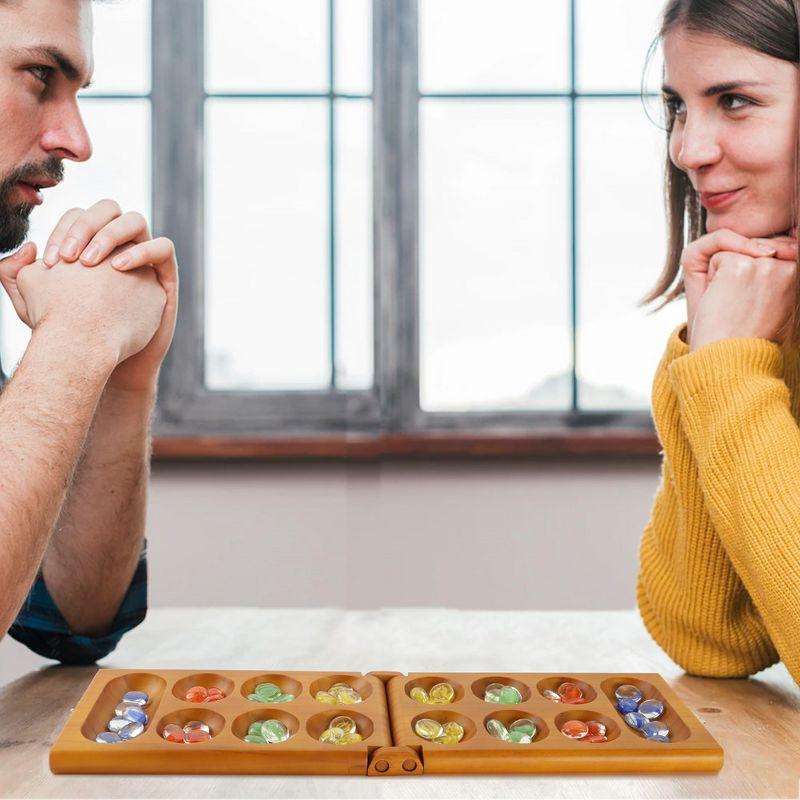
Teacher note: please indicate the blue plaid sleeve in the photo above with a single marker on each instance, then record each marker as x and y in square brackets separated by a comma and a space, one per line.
[41, 627]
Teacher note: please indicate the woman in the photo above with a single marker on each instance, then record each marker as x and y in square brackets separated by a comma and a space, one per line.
[719, 579]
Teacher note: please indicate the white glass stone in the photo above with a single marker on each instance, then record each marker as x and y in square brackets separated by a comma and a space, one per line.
[655, 728]
[628, 692]
[123, 707]
[139, 698]
[497, 729]
[196, 725]
[132, 730]
[106, 737]
[652, 709]
[551, 695]
[117, 724]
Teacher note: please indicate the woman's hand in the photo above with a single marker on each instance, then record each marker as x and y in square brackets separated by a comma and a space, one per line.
[697, 256]
[746, 298]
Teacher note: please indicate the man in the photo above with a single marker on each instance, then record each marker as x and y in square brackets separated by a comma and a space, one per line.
[74, 419]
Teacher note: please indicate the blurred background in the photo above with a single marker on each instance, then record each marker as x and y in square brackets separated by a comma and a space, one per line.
[410, 368]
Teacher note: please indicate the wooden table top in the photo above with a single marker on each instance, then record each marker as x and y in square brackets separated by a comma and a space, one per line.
[757, 720]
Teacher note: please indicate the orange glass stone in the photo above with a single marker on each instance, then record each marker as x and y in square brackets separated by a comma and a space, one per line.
[193, 736]
[596, 738]
[213, 698]
[216, 690]
[197, 694]
[596, 728]
[173, 733]
[570, 692]
[575, 729]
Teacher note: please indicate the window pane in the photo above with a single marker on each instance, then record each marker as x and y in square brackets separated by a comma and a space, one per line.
[353, 31]
[612, 38]
[266, 45]
[267, 245]
[354, 335]
[494, 246]
[116, 126]
[121, 47]
[486, 45]
[621, 251]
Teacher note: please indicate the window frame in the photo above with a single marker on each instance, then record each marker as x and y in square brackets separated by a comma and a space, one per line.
[190, 418]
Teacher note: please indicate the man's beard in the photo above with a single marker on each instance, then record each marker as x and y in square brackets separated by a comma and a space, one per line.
[14, 218]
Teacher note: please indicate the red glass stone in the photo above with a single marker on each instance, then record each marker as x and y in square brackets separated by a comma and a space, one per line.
[173, 733]
[575, 729]
[596, 738]
[197, 694]
[570, 692]
[196, 736]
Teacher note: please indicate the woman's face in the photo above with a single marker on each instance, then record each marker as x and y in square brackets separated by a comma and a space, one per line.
[735, 130]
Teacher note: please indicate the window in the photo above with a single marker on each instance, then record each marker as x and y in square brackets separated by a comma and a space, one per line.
[408, 217]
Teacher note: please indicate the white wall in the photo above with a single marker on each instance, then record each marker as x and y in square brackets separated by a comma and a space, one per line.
[493, 535]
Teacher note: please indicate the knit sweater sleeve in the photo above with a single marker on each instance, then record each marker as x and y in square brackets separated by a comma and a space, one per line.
[736, 410]
[690, 596]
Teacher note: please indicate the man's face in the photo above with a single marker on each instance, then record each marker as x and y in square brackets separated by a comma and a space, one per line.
[45, 58]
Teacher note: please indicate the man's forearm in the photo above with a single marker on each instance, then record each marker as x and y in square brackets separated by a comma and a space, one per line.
[45, 414]
[93, 552]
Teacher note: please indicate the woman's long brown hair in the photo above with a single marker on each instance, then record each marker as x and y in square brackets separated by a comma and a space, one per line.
[768, 26]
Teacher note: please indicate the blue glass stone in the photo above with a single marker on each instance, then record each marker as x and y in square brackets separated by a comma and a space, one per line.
[655, 728]
[116, 724]
[135, 714]
[106, 737]
[652, 709]
[132, 730]
[636, 720]
[658, 739]
[628, 692]
[626, 706]
[138, 698]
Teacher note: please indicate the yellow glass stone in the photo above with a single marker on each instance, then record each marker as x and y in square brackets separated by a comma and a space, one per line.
[346, 696]
[453, 729]
[339, 686]
[331, 735]
[346, 724]
[446, 740]
[419, 694]
[441, 694]
[325, 697]
[349, 738]
[428, 728]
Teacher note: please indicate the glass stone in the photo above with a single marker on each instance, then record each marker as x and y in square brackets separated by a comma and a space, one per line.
[655, 728]
[345, 695]
[526, 726]
[138, 698]
[419, 694]
[626, 706]
[339, 685]
[347, 724]
[274, 731]
[595, 739]
[135, 714]
[658, 738]
[106, 737]
[117, 724]
[197, 694]
[254, 739]
[428, 728]
[453, 729]
[267, 691]
[570, 691]
[331, 735]
[575, 729]
[444, 739]
[441, 694]
[120, 710]
[492, 696]
[652, 709]
[493, 687]
[551, 695]
[284, 698]
[628, 692]
[173, 733]
[349, 738]
[518, 737]
[510, 694]
[131, 730]
[196, 725]
[196, 735]
[636, 720]
[497, 729]
[596, 728]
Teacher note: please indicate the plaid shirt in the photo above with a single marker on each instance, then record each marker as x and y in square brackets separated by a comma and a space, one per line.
[41, 627]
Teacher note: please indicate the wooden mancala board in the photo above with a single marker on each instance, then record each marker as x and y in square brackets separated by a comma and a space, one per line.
[385, 720]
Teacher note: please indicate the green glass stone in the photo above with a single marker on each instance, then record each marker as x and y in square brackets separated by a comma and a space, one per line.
[510, 694]
[492, 696]
[274, 731]
[284, 698]
[255, 739]
[255, 729]
[268, 691]
[254, 697]
[497, 729]
[526, 726]
[518, 737]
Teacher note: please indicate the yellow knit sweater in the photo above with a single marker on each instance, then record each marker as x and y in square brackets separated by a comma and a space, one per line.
[719, 576]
